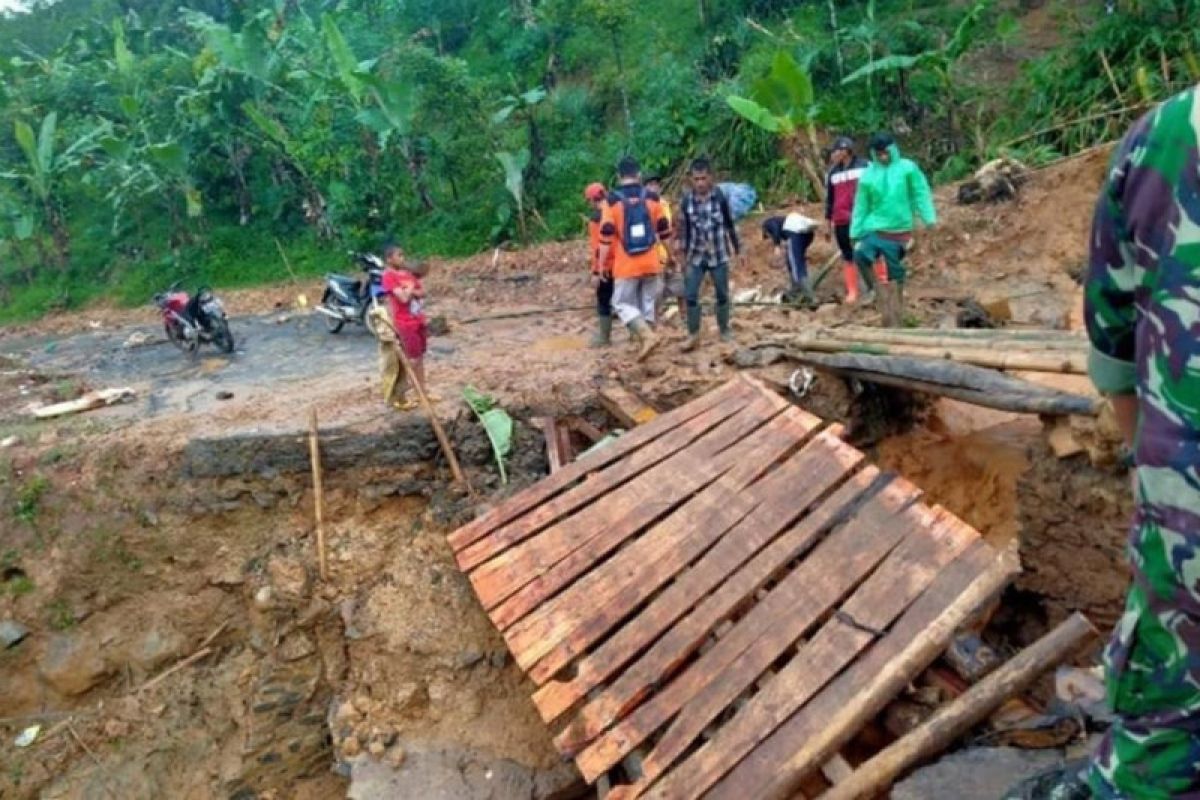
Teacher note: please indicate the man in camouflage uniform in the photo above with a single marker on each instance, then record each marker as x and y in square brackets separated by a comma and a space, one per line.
[1142, 308]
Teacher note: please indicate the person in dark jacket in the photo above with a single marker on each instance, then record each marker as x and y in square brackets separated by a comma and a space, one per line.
[794, 234]
[841, 185]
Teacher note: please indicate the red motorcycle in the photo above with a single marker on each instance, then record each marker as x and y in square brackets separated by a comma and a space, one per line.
[191, 321]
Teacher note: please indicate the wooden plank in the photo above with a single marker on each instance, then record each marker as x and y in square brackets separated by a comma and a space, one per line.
[956, 718]
[782, 496]
[626, 406]
[680, 599]
[494, 543]
[936, 540]
[654, 558]
[587, 429]
[786, 613]
[554, 452]
[770, 770]
[530, 575]
[542, 491]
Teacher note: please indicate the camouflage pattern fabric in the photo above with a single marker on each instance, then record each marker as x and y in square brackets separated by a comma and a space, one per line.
[1142, 305]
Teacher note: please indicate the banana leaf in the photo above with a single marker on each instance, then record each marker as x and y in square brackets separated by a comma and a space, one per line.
[496, 422]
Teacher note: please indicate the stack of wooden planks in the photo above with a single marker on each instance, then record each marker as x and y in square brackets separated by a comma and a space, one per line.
[716, 602]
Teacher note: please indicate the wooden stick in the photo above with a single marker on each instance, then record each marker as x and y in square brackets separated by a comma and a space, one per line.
[438, 430]
[1112, 79]
[998, 342]
[955, 718]
[187, 662]
[91, 754]
[892, 679]
[987, 334]
[1069, 123]
[314, 453]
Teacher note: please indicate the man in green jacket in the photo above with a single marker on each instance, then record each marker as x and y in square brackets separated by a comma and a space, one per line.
[891, 193]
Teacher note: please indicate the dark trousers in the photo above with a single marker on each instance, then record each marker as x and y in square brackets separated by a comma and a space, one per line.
[604, 293]
[842, 234]
[797, 256]
[694, 277]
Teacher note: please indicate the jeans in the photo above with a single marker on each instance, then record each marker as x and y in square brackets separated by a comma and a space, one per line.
[693, 279]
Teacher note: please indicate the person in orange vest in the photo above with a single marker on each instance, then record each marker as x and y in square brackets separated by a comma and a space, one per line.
[602, 272]
[631, 225]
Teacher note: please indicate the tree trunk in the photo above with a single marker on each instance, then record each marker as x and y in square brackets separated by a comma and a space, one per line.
[837, 45]
[60, 234]
[616, 41]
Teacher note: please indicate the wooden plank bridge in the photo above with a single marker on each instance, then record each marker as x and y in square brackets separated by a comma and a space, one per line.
[695, 601]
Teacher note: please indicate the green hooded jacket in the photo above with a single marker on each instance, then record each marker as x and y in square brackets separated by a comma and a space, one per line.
[889, 196]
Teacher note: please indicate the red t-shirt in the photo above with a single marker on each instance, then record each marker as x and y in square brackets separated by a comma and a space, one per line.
[404, 314]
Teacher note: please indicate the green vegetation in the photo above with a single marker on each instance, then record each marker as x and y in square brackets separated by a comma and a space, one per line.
[59, 615]
[144, 143]
[29, 499]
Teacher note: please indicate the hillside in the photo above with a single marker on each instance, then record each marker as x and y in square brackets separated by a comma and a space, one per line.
[231, 144]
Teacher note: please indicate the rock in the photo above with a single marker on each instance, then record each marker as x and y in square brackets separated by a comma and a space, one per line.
[561, 783]
[224, 394]
[468, 658]
[264, 598]
[72, 664]
[12, 633]
[395, 756]
[982, 773]
[9, 441]
[351, 747]
[498, 658]
[155, 646]
[1062, 440]
[407, 696]
[346, 713]
[289, 577]
[136, 339]
[297, 645]
[376, 748]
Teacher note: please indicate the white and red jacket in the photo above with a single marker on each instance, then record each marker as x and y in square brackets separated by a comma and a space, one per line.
[841, 184]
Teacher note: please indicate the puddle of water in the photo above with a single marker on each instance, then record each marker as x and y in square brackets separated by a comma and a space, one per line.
[558, 344]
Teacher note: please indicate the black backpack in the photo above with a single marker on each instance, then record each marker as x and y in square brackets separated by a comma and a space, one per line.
[639, 235]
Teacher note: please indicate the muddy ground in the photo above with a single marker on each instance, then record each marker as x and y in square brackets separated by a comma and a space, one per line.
[159, 555]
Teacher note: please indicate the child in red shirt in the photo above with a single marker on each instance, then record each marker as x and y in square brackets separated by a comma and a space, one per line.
[406, 297]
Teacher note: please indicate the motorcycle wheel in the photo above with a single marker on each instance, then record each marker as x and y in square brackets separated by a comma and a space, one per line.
[222, 337]
[175, 335]
[332, 324]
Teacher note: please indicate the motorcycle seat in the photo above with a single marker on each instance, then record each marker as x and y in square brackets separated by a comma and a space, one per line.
[345, 280]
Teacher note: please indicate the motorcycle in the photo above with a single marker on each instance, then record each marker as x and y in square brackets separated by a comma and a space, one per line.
[191, 321]
[347, 299]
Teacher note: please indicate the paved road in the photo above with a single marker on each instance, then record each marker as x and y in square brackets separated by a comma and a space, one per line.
[271, 349]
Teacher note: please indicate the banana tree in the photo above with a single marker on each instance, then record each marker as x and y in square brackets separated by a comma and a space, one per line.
[41, 173]
[514, 165]
[784, 103]
[938, 61]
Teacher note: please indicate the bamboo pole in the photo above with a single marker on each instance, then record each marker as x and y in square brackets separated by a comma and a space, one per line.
[892, 679]
[932, 736]
[969, 334]
[438, 430]
[1046, 361]
[882, 336]
[314, 453]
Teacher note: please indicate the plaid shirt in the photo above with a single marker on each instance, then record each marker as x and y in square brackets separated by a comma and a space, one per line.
[705, 237]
